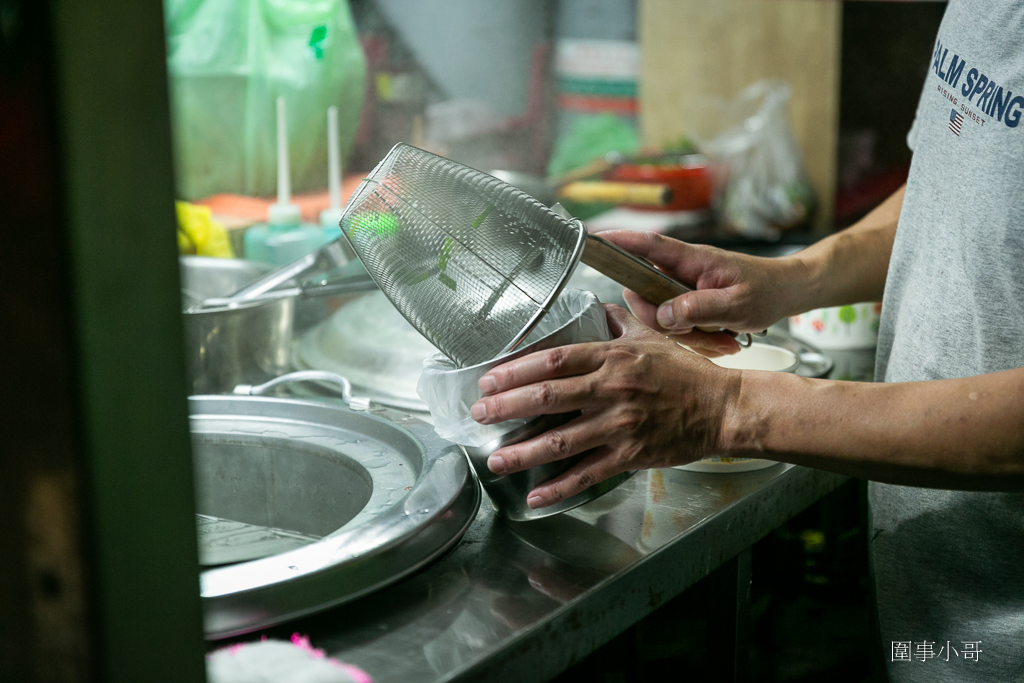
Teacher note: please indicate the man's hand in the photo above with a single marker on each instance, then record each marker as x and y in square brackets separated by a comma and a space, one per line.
[645, 403]
[747, 294]
[732, 291]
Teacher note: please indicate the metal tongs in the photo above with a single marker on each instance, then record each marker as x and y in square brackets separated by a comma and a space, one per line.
[327, 271]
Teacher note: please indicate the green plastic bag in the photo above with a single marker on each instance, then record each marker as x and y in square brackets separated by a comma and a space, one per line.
[591, 138]
[229, 60]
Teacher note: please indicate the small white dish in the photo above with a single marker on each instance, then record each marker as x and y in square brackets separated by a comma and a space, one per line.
[760, 356]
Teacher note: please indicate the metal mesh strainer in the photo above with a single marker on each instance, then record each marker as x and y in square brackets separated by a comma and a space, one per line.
[470, 261]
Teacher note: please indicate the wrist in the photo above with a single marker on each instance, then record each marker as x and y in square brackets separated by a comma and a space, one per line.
[804, 277]
[744, 428]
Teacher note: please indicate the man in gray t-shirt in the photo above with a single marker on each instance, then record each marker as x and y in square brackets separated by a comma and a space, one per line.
[942, 438]
[949, 565]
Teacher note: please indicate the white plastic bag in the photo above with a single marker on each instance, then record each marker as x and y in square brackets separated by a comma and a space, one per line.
[449, 392]
[761, 188]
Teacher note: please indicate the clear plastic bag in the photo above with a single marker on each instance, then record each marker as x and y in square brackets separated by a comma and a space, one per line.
[761, 187]
[229, 61]
[449, 392]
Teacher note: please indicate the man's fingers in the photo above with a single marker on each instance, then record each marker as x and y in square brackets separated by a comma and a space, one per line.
[686, 262]
[547, 397]
[646, 312]
[709, 344]
[700, 308]
[620, 322]
[561, 361]
[718, 304]
[579, 435]
[713, 308]
[550, 382]
[593, 469]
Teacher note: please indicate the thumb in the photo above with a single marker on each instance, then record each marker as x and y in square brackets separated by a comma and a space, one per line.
[688, 262]
[699, 308]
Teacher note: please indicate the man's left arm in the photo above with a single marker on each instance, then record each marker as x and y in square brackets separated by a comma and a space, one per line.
[646, 402]
[963, 434]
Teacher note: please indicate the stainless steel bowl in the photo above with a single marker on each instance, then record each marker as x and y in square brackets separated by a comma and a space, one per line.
[224, 347]
[508, 491]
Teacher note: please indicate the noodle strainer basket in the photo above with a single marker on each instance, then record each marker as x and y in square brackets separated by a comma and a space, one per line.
[470, 261]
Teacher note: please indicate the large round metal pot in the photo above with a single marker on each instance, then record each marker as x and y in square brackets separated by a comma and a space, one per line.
[311, 504]
[224, 347]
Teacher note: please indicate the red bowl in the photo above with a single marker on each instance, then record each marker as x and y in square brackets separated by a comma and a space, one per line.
[689, 180]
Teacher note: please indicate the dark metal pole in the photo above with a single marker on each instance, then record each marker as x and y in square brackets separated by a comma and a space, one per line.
[729, 617]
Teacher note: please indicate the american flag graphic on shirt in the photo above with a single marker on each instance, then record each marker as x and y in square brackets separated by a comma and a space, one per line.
[954, 121]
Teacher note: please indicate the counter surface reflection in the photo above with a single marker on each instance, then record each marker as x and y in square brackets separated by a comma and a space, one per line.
[524, 601]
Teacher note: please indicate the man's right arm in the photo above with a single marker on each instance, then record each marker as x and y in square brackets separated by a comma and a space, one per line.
[851, 265]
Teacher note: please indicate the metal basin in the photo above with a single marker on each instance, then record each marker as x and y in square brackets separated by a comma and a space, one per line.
[259, 496]
[229, 346]
[342, 502]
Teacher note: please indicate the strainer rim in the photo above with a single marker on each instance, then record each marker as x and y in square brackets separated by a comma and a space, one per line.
[574, 260]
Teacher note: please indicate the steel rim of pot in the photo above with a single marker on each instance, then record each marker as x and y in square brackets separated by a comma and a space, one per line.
[423, 525]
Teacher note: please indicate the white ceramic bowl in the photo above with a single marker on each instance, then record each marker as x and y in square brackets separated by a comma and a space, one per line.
[759, 356]
[840, 327]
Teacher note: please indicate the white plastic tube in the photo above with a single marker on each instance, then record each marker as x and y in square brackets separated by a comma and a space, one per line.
[283, 212]
[284, 188]
[333, 159]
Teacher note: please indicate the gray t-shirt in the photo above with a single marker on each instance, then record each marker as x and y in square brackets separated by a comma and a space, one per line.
[949, 565]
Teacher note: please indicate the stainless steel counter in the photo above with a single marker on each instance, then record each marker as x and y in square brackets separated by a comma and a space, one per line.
[522, 602]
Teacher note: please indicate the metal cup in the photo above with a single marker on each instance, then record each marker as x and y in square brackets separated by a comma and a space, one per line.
[508, 492]
[225, 346]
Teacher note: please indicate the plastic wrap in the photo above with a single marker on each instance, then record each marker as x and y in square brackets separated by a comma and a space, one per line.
[449, 392]
[762, 186]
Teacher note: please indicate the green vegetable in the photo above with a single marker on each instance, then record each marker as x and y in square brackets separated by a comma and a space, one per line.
[376, 223]
[480, 219]
[419, 277]
[447, 281]
[446, 251]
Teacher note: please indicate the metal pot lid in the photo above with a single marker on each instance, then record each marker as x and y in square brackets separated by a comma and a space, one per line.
[378, 490]
[369, 342]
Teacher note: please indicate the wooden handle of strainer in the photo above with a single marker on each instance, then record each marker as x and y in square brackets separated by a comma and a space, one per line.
[634, 273]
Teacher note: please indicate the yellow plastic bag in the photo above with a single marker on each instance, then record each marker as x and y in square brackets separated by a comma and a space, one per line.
[199, 234]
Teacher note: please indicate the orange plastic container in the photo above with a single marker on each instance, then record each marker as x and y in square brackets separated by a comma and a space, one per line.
[689, 180]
